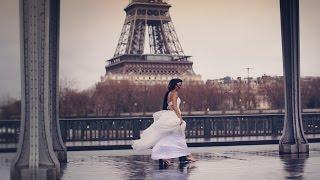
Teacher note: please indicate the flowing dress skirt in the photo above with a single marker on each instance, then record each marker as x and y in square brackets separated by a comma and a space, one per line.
[165, 136]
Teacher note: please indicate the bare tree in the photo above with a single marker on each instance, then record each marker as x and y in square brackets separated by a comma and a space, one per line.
[10, 108]
[111, 98]
[310, 92]
[72, 101]
[274, 92]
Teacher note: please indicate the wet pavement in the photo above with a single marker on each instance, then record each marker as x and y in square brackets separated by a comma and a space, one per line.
[227, 163]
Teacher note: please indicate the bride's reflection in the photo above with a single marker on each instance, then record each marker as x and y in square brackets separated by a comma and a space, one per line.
[293, 165]
[187, 167]
[173, 172]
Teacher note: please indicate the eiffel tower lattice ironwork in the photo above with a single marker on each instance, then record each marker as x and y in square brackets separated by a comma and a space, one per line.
[152, 16]
[149, 19]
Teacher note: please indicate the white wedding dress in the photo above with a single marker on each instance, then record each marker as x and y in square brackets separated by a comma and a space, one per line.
[165, 136]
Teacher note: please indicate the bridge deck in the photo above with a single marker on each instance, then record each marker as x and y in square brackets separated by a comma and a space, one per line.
[229, 162]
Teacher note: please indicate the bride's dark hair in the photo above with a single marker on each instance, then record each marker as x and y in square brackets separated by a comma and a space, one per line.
[171, 86]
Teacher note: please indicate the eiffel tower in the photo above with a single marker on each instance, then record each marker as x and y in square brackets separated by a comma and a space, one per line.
[165, 59]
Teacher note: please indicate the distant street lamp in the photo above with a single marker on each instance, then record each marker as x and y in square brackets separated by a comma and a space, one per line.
[135, 106]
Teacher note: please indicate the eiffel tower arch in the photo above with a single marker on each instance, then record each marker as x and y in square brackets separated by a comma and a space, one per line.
[149, 22]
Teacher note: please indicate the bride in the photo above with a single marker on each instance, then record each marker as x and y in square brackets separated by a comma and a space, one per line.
[166, 136]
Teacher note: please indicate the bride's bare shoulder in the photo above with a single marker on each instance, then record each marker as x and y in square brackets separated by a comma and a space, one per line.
[172, 95]
[175, 94]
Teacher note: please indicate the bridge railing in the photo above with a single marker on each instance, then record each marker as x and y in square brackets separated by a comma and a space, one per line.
[103, 129]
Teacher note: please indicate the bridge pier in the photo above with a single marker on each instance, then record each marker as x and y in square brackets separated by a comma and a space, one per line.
[293, 139]
[35, 157]
[58, 145]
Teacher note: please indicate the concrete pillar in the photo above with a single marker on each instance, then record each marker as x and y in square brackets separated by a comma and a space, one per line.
[293, 139]
[35, 158]
[58, 145]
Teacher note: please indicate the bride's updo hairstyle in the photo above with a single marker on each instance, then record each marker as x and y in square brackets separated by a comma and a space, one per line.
[171, 86]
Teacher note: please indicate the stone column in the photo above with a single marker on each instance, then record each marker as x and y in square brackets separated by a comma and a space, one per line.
[293, 139]
[35, 158]
[58, 145]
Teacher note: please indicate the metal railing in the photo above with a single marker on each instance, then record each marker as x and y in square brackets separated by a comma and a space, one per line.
[103, 129]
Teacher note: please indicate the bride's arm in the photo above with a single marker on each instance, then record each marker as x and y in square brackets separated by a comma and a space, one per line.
[175, 106]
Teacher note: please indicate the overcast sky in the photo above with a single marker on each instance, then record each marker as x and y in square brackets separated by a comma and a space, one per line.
[223, 36]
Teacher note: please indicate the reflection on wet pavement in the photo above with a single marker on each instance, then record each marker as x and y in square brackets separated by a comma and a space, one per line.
[233, 162]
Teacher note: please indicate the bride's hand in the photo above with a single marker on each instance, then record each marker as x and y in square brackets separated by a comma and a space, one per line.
[181, 121]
